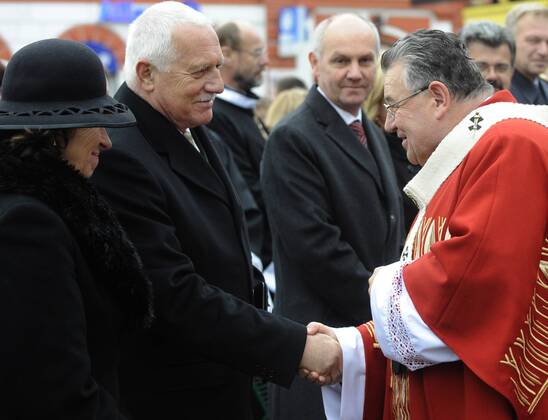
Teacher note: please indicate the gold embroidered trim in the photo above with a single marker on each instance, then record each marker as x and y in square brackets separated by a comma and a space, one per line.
[528, 354]
[430, 231]
[400, 395]
[371, 330]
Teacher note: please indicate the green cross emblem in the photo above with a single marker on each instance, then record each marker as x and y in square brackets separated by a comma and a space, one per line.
[476, 119]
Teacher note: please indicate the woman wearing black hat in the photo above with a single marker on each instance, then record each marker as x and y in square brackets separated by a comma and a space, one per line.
[70, 280]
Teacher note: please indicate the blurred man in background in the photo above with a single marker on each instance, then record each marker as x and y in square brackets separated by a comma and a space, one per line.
[234, 117]
[493, 49]
[529, 25]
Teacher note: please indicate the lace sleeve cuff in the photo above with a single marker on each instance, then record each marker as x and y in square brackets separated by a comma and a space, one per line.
[400, 331]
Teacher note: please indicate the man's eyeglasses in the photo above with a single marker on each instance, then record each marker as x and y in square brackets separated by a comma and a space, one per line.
[391, 109]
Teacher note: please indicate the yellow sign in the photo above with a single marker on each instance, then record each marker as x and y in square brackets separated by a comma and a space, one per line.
[492, 12]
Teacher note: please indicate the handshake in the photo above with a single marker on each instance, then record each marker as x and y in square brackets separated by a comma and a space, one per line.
[322, 359]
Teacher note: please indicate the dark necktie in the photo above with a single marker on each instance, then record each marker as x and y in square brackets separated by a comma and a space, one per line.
[357, 128]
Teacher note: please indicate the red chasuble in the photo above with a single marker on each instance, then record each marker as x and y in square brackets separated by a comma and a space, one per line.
[478, 277]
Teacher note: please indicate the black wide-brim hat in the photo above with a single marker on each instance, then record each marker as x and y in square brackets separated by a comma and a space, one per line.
[57, 83]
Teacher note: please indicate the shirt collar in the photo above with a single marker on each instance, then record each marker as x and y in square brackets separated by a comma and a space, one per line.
[238, 98]
[347, 117]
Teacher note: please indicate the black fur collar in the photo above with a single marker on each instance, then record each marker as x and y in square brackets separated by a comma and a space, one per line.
[34, 168]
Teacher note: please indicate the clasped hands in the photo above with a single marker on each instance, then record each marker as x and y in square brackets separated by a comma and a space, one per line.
[322, 361]
[322, 357]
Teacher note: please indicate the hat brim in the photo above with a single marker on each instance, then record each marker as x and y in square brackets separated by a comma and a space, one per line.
[97, 112]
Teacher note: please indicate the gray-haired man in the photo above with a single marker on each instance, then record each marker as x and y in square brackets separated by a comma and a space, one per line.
[173, 196]
[493, 49]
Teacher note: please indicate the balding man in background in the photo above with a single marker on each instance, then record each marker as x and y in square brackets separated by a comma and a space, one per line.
[331, 195]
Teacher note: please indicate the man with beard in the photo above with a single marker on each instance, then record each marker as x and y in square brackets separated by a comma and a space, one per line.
[331, 195]
[235, 121]
[529, 25]
[493, 49]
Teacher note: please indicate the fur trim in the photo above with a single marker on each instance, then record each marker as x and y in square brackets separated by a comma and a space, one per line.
[33, 167]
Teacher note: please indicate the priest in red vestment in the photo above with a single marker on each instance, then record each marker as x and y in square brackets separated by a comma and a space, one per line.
[460, 323]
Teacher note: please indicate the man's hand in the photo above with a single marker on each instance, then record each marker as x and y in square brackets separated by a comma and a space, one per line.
[322, 357]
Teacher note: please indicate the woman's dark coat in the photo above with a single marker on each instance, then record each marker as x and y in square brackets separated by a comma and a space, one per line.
[70, 282]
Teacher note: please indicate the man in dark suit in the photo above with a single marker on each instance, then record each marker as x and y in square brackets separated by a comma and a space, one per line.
[174, 198]
[234, 117]
[331, 195]
[529, 25]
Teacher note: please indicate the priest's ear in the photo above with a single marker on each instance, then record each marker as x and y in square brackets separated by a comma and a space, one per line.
[442, 98]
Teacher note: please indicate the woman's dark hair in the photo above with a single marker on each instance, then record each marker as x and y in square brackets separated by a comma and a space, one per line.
[54, 137]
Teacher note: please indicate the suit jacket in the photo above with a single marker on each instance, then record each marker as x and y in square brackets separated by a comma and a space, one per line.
[238, 128]
[335, 214]
[253, 214]
[181, 212]
[526, 92]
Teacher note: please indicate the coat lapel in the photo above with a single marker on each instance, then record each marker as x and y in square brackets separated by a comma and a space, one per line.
[186, 161]
[343, 136]
[207, 172]
[526, 92]
[543, 85]
[376, 142]
[215, 165]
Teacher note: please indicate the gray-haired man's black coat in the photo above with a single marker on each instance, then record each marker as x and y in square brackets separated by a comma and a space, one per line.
[180, 210]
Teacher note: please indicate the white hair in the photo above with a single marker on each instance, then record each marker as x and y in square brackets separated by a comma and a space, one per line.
[517, 12]
[150, 36]
[321, 28]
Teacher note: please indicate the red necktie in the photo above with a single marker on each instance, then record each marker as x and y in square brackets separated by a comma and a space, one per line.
[357, 128]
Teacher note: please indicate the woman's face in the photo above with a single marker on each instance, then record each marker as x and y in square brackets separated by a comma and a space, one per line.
[84, 147]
